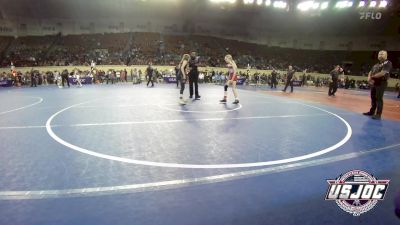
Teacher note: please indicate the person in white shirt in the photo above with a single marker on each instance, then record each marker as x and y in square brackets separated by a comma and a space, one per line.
[92, 66]
[44, 79]
[57, 79]
[12, 67]
[135, 76]
[77, 77]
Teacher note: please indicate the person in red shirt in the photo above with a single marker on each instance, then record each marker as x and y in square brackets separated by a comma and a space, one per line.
[232, 79]
[183, 75]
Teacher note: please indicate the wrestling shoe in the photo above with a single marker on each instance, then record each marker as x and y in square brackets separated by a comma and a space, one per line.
[182, 102]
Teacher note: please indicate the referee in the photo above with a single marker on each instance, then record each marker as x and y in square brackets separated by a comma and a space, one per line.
[194, 75]
[377, 78]
[289, 79]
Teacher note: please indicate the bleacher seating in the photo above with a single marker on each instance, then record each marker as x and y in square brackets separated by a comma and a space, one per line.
[142, 48]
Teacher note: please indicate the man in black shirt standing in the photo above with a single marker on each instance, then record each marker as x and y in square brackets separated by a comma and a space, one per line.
[64, 77]
[149, 74]
[273, 78]
[289, 79]
[378, 80]
[33, 79]
[334, 81]
[194, 75]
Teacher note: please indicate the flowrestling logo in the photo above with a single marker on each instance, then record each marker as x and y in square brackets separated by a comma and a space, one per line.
[356, 191]
[370, 15]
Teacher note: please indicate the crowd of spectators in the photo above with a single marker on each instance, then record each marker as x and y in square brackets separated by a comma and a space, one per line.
[142, 48]
[136, 76]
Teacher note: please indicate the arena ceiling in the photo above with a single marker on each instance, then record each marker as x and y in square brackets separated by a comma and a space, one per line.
[248, 17]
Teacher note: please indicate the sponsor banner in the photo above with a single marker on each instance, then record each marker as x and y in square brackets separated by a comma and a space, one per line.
[85, 80]
[241, 81]
[6, 83]
[170, 79]
[297, 83]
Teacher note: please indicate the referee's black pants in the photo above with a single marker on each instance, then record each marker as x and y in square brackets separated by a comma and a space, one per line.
[377, 92]
[194, 79]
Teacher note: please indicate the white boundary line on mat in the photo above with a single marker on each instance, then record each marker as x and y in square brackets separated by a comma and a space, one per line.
[24, 107]
[198, 166]
[162, 185]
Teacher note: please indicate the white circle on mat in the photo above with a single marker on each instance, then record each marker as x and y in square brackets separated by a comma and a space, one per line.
[199, 166]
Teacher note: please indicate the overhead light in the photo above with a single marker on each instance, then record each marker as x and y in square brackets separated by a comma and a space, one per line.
[308, 5]
[324, 5]
[344, 4]
[341, 4]
[223, 1]
[305, 6]
[361, 4]
[247, 2]
[267, 2]
[372, 4]
[259, 2]
[349, 4]
[383, 4]
[280, 4]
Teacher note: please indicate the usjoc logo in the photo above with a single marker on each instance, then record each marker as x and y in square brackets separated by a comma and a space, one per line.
[356, 191]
